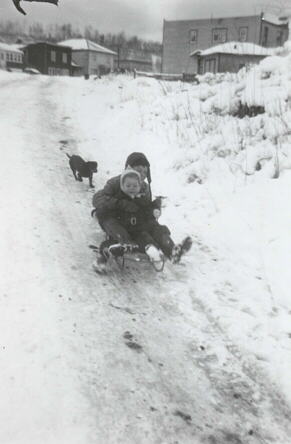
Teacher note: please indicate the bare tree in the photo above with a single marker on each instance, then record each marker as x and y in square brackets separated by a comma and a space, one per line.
[19, 8]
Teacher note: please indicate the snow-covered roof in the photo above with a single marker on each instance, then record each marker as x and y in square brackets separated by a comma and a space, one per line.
[272, 18]
[85, 44]
[237, 48]
[12, 47]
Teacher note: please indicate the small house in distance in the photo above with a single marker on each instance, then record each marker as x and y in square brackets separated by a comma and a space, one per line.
[49, 58]
[11, 57]
[133, 59]
[229, 57]
[93, 59]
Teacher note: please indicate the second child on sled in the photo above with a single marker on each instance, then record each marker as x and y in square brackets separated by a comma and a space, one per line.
[127, 214]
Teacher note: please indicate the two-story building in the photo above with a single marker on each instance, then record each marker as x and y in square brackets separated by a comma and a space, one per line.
[11, 57]
[49, 58]
[183, 37]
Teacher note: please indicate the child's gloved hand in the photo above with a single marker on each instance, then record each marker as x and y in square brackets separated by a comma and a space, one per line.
[127, 205]
[156, 213]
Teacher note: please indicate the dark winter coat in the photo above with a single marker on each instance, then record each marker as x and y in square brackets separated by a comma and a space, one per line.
[111, 201]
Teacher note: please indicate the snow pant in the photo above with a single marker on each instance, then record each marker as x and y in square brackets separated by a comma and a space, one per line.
[162, 237]
[153, 233]
[117, 232]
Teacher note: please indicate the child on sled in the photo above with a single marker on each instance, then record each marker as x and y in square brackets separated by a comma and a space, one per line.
[127, 214]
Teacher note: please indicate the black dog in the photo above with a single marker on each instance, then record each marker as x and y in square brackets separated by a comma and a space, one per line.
[83, 169]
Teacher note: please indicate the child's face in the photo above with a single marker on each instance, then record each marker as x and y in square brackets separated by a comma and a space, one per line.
[142, 170]
[131, 186]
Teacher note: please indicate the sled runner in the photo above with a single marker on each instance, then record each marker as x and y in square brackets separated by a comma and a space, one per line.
[126, 254]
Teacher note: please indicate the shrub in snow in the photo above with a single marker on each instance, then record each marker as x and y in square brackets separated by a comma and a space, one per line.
[270, 66]
[285, 49]
[274, 127]
[244, 110]
[201, 122]
[194, 178]
[206, 78]
[205, 91]
[216, 142]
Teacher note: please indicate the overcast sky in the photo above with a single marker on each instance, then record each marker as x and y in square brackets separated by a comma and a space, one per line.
[143, 18]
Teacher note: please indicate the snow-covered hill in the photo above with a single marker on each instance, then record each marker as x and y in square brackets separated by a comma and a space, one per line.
[198, 354]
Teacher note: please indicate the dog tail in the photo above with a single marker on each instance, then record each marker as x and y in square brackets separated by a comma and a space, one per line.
[68, 155]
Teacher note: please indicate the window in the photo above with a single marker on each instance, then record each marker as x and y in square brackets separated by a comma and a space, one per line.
[65, 57]
[265, 36]
[193, 34]
[219, 35]
[53, 56]
[243, 34]
[279, 38]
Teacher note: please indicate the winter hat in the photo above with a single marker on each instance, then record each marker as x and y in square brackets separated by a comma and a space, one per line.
[135, 159]
[129, 173]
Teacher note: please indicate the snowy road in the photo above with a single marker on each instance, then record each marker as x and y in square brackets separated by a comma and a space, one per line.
[89, 359]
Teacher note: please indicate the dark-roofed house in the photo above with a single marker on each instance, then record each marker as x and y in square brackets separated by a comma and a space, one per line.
[229, 57]
[181, 38]
[93, 59]
[49, 58]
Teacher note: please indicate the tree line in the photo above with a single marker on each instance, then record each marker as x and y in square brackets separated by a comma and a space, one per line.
[14, 30]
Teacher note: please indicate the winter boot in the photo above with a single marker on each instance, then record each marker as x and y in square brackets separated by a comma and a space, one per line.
[99, 265]
[153, 253]
[180, 249]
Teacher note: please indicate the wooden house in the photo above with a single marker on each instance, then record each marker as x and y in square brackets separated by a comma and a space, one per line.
[49, 58]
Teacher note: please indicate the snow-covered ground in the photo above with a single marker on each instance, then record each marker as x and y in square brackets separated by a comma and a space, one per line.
[200, 353]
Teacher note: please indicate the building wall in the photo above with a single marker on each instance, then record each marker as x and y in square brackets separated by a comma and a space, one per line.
[60, 64]
[11, 59]
[35, 58]
[48, 59]
[180, 38]
[2, 60]
[92, 62]
[100, 63]
[227, 62]
[233, 63]
[81, 58]
[272, 35]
